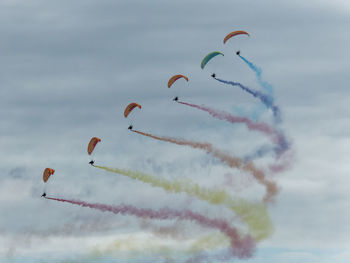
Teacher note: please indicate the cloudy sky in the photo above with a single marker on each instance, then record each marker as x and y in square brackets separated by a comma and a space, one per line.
[69, 68]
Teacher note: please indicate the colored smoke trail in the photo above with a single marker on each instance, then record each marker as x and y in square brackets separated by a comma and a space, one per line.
[233, 162]
[254, 215]
[240, 247]
[265, 99]
[254, 126]
[269, 89]
[253, 114]
[137, 244]
[260, 152]
[258, 72]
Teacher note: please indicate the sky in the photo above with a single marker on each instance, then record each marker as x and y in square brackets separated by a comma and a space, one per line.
[69, 68]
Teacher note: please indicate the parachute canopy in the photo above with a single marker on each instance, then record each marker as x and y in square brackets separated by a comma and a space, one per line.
[130, 108]
[235, 33]
[92, 144]
[208, 57]
[175, 78]
[47, 173]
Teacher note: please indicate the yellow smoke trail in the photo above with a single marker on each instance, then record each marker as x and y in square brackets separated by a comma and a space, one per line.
[209, 242]
[255, 215]
[135, 246]
[231, 161]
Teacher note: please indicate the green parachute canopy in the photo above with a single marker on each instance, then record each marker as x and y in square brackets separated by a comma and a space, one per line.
[208, 57]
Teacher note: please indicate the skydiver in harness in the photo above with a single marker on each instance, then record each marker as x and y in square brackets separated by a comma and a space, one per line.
[176, 99]
[92, 162]
[213, 75]
[130, 127]
[238, 52]
[43, 195]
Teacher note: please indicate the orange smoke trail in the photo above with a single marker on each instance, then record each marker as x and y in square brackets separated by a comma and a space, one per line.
[231, 161]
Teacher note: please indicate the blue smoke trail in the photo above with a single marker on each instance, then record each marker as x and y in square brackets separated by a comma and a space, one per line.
[282, 147]
[258, 72]
[265, 99]
[252, 114]
[261, 152]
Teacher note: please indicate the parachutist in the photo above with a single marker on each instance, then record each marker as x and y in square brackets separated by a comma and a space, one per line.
[130, 127]
[43, 195]
[238, 53]
[213, 75]
[92, 162]
[176, 99]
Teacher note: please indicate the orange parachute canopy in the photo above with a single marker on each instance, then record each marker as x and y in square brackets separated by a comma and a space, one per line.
[130, 108]
[235, 33]
[92, 144]
[175, 78]
[47, 173]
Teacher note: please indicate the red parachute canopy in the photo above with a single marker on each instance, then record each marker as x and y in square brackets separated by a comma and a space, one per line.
[175, 78]
[47, 173]
[92, 144]
[130, 108]
[235, 33]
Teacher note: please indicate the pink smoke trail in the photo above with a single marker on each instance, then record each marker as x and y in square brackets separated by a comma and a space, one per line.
[277, 137]
[254, 126]
[240, 247]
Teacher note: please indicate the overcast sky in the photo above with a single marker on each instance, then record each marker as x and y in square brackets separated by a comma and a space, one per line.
[69, 68]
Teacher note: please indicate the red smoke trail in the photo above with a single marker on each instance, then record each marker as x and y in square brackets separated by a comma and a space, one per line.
[240, 247]
[233, 162]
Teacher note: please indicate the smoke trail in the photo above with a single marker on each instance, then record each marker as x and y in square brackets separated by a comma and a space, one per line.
[260, 152]
[240, 247]
[269, 89]
[135, 246]
[258, 72]
[275, 136]
[255, 215]
[208, 242]
[132, 244]
[254, 114]
[265, 99]
[233, 162]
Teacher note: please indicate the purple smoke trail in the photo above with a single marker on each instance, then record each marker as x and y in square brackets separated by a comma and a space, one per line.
[265, 99]
[240, 247]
